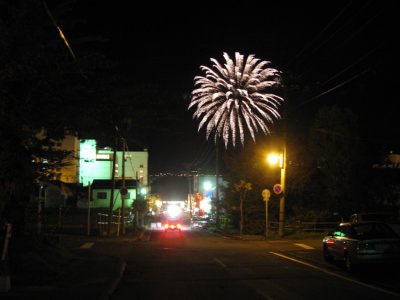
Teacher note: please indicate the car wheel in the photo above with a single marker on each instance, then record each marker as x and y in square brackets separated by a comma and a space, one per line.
[327, 256]
[348, 263]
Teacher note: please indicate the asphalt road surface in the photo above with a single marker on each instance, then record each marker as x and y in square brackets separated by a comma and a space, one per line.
[199, 265]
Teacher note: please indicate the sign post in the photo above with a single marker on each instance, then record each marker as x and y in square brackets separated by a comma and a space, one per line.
[266, 194]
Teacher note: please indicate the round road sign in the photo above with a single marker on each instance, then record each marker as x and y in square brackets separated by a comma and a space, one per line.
[278, 189]
[266, 194]
[123, 191]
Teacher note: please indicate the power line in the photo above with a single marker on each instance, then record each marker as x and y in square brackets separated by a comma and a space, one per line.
[344, 24]
[62, 35]
[308, 45]
[334, 88]
[350, 66]
[203, 155]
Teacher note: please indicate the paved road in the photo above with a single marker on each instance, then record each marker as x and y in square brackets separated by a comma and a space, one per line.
[198, 265]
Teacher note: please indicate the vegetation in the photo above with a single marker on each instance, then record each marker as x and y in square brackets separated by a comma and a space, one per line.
[327, 178]
[41, 89]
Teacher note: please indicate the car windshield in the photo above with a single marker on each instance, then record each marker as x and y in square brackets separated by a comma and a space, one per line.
[379, 217]
[373, 231]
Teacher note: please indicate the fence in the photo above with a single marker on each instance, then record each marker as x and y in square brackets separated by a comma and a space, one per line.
[72, 220]
[306, 226]
[102, 224]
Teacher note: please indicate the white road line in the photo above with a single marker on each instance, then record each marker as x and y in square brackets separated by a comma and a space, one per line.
[87, 245]
[259, 291]
[305, 246]
[220, 263]
[337, 275]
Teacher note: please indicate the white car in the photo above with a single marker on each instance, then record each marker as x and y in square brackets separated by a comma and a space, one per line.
[362, 243]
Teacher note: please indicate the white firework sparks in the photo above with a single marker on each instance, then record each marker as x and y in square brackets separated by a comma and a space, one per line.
[235, 96]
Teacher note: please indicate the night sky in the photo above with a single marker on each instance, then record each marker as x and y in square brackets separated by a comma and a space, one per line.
[342, 53]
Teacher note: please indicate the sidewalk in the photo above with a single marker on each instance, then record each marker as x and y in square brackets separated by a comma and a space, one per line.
[86, 275]
[260, 237]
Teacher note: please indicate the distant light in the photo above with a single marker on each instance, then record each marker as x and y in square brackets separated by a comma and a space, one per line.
[143, 191]
[173, 211]
[207, 185]
[206, 205]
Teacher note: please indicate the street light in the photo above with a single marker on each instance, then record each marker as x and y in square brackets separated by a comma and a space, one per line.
[273, 159]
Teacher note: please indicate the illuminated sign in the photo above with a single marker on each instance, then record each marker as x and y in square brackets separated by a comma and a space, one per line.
[102, 156]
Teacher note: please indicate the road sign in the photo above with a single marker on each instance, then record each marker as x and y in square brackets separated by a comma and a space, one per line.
[123, 191]
[278, 189]
[266, 194]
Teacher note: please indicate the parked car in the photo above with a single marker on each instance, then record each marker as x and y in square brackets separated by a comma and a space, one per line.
[374, 216]
[199, 222]
[362, 243]
[390, 218]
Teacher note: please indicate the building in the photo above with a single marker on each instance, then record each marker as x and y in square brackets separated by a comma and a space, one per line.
[95, 163]
[69, 172]
[87, 162]
[101, 194]
[89, 165]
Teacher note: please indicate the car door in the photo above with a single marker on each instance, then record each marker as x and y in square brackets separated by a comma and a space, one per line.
[339, 241]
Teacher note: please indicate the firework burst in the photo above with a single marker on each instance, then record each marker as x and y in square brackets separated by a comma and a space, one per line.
[235, 97]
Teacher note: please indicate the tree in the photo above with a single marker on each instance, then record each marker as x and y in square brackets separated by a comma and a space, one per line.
[242, 187]
[336, 157]
[42, 90]
[249, 164]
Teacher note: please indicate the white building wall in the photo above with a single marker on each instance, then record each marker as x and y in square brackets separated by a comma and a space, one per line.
[97, 164]
[136, 166]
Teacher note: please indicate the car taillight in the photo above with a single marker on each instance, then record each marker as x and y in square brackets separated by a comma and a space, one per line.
[178, 226]
[172, 226]
[166, 226]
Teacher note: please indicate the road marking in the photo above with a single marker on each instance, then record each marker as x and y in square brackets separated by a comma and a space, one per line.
[87, 245]
[260, 292]
[220, 263]
[305, 246]
[336, 275]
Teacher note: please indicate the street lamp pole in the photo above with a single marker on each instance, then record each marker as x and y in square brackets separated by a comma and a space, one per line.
[282, 200]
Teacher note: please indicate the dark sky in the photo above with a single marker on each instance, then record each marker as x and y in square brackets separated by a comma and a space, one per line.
[345, 47]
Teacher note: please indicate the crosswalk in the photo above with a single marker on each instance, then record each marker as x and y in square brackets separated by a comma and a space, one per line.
[87, 245]
[304, 246]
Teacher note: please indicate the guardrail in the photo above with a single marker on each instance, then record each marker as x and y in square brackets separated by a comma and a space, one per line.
[309, 226]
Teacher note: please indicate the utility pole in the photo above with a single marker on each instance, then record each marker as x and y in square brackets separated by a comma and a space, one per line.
[190, 196]
[123, 194]
[282, 200]
[88, 213]
[281, 230]
[217, 184]
[39, 223]
[112, 189]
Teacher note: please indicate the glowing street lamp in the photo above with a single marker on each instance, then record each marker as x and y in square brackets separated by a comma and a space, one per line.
[207, 186]
[274, 159]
